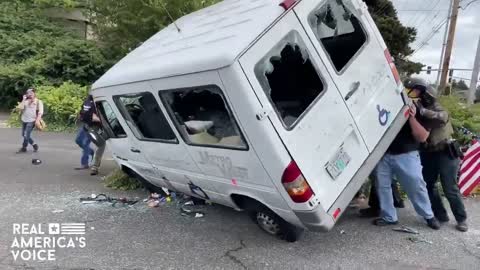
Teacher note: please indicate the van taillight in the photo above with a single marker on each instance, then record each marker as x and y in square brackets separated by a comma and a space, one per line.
[286, 4]
[295, 184]
[393, 68]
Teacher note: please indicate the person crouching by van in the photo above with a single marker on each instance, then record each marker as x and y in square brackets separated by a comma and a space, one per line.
[82, 139]
[374, 204]
[31, 109]
[440, 155]
[403, 160]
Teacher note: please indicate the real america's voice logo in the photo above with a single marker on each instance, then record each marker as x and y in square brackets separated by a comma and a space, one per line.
[39, 242]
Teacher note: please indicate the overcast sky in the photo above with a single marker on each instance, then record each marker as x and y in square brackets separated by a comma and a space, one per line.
[425, 15]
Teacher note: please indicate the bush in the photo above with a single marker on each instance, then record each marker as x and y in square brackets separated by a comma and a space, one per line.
[61, 104]
[37, 50]
[118, 180]
[462, 116]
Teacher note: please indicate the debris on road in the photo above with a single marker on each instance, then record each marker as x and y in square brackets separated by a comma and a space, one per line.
[405, 229]
[153, 204]
[342, 232]
[57, 211]
[36, 161]
[102, 198]
[419, 240]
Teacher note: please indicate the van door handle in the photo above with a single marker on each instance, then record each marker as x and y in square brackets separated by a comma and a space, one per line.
[353, 88]
[135, 150]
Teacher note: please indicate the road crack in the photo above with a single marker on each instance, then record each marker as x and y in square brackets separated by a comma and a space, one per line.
[233, 257]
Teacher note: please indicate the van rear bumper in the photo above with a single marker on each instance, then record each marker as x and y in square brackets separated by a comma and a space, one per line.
[319, 220]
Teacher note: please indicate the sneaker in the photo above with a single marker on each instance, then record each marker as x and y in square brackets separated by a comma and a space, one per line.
[82, 168]
[369, 213]
[35, 148]
[22, 150]
[94, 171]
[462, 226]
[382, 222]
[433, 223]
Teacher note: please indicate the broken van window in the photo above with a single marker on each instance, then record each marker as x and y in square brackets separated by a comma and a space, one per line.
[109, 119]
[338, 30]
[203, 117]
[289, 78]
[142, 112]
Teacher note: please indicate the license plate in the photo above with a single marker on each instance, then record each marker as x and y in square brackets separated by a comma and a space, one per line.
[337, 165]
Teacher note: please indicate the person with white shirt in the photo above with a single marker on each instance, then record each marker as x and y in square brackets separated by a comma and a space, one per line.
[31, 109]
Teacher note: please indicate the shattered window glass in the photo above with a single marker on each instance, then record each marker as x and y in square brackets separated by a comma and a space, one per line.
[338, 30]
[109, 119]
[203, 117]
[289, 79]
[144, 116]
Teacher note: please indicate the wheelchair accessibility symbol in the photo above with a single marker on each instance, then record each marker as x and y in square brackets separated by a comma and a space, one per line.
[383, 116]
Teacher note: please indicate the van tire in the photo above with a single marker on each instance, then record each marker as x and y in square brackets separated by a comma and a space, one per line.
[272, 224]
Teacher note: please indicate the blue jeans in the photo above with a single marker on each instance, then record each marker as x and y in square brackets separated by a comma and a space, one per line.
[408, 169]
[27, 128]
[83, 141]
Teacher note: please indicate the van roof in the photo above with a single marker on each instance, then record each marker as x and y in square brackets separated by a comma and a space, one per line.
[209, 39]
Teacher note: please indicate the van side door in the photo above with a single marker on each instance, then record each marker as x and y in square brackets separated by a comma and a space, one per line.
[204, 117]
[120, 140]
[154, 136]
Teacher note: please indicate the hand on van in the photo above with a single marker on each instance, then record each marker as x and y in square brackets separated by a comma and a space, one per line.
[412, 111]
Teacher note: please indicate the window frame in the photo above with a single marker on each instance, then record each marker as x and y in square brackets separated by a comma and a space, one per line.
[185, 137]
[106, 123]
[128, 119]
[355, 56]
[264, 82]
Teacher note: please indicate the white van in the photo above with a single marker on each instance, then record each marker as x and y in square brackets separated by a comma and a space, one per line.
[279, 108]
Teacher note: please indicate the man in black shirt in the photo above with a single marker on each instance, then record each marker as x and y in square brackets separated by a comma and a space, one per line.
[402, 160]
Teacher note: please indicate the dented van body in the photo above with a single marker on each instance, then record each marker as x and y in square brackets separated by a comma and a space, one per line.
[280, 108]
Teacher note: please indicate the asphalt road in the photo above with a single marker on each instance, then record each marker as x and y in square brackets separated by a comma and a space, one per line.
[139, 237]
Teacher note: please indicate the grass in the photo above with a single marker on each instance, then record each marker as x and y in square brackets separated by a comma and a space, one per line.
[118, 180]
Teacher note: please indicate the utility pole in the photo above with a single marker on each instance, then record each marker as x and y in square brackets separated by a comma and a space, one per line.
[444, 43]
[475, 72]
[448, 50]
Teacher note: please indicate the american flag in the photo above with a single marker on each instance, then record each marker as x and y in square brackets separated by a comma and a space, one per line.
[470, 170]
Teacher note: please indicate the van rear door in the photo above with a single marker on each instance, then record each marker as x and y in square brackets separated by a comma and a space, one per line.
[346, 37]
[305, 108]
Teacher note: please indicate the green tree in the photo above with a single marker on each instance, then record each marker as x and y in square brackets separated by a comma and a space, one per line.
[462, 85]
[397, 36]
[35, 50]
[122, 25]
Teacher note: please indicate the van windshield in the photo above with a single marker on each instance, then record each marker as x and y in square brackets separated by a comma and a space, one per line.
[289, 78]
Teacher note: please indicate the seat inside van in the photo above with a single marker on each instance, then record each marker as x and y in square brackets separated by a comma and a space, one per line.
[203, 117]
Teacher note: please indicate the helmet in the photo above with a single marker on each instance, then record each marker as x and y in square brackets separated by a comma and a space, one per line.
[416, 83]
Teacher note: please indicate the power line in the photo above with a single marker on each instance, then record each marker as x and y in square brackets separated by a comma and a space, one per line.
[430, 36]
[432, 7]
[469, 3]
[436, 29]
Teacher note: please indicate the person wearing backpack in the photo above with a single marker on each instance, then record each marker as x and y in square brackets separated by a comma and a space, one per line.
[82, 139]
[31, 109]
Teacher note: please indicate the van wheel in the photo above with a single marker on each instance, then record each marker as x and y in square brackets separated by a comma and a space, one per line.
[274, 225]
